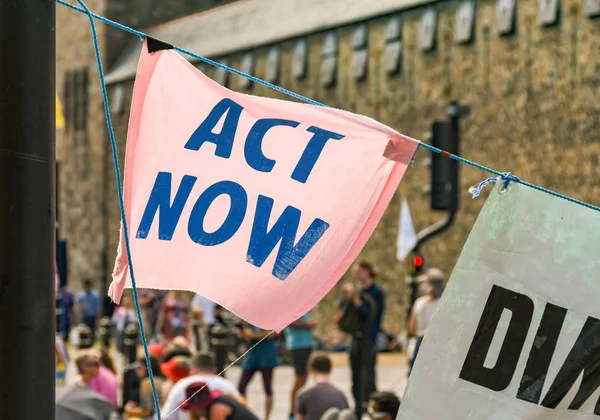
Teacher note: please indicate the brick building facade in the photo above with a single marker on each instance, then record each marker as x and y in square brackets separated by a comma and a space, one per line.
[530, 75]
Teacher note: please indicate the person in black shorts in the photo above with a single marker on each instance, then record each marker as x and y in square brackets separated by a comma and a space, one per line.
[202, 403]
[300, 342]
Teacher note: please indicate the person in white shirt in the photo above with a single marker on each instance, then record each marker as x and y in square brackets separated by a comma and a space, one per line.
[424, 307]
[203, 370]
[204, 313]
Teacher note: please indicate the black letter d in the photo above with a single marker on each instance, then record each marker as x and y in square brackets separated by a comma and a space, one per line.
[498, 377]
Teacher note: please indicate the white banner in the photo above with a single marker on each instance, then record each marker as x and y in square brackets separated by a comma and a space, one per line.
[517, 332]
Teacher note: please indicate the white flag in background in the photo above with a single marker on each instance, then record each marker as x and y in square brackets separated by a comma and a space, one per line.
[407, 238]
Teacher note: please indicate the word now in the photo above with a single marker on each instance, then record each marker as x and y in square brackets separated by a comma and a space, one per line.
[253, 144]
[261, 242]
[583, 356]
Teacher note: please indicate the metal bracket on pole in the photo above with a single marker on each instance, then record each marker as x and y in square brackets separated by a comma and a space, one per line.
[446, 136]
[434, 229]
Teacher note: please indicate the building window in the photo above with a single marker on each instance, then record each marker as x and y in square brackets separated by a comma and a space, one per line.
[76, 99]
[68, 100]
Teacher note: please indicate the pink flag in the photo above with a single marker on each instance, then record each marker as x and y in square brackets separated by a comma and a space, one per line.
[258, 204]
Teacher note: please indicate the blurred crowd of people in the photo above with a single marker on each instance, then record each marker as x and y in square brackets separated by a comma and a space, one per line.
[192, 341]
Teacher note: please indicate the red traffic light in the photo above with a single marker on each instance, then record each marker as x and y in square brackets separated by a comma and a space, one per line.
[418, 261]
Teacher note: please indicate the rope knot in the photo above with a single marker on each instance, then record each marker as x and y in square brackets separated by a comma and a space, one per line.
[507, 177]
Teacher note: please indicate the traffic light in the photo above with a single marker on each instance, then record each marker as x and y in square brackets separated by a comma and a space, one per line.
[444, 170]
[417, 264]
[416, 271]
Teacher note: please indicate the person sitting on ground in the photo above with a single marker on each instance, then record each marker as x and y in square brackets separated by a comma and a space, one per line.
[88, 367]
[171, 351]
[203, 370]
[312, 402]
[202, 403]
[145, 408]
[381, 406]
[175, 369]
[106, 382]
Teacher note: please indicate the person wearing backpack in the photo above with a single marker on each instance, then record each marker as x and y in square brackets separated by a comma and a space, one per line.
[361, 315]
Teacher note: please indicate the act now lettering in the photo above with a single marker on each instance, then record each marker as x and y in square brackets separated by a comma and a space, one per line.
[262, 241]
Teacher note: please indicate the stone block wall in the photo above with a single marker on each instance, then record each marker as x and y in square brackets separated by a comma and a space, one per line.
[535, 99]
[80, 153]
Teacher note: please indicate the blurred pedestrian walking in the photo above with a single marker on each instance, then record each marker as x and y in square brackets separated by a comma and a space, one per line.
[300, 342]
[123, 316]
[424, 307]
[173, 317]
[66, 317]
[204, 315]
[262, 358]
[90, 307]
[147, 300]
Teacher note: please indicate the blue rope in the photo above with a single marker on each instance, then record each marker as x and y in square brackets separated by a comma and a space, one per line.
[313, 102]
[507, 177]
[113, 144]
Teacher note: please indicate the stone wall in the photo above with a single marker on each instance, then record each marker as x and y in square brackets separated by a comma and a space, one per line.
[80, 151]
[535, 99]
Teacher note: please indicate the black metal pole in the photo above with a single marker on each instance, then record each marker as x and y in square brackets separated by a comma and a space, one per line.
[27, 209]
